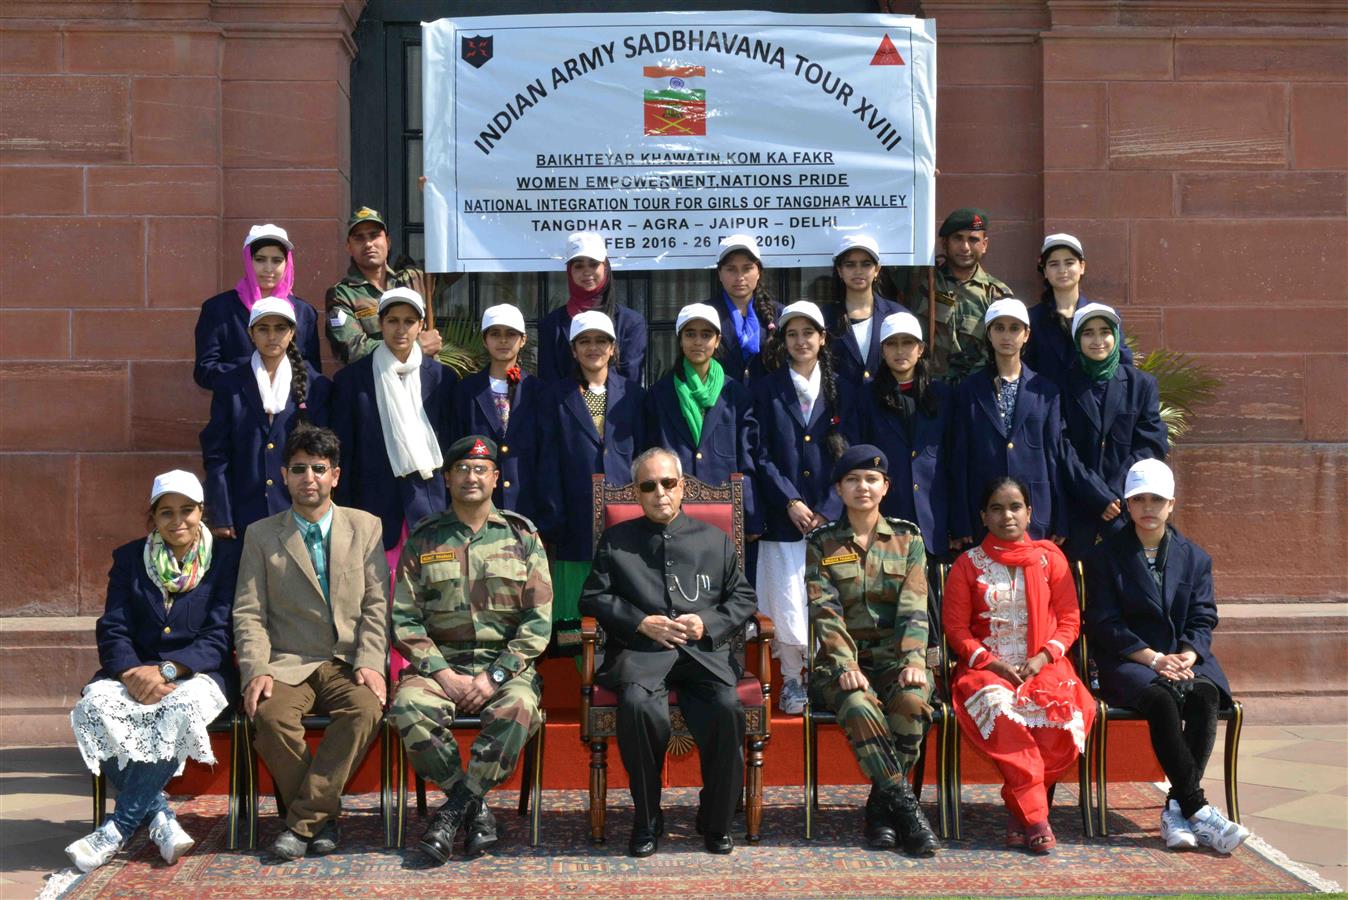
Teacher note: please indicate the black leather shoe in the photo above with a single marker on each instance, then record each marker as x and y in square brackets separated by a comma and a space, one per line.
[646, 841]
[327, 839]
[911, 824]
[438, 840]
[720, 844]
[479, 829]
[879, 828]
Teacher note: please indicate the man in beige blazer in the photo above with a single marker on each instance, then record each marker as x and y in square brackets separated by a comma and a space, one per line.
[310, 630]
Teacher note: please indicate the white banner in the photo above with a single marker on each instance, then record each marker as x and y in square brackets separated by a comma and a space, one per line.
[667, 131]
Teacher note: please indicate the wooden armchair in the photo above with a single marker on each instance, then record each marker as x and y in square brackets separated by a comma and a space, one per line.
[722, 506]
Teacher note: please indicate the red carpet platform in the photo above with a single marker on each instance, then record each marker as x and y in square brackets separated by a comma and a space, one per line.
[1130, 861]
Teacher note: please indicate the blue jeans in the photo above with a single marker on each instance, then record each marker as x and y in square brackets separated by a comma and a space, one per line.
[140, 792]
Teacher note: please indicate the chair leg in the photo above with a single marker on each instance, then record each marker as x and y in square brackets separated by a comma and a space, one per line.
[1084, 791]
[598, 789]
[392, 785]
[807, 736]
[421, 795]
[234, 824]
[753, 806]
[1102, 775]
[953, 777]
[535, 798]
[526, 774]
[100, 794]
[1231, 761]
[248, 757]
[918, 775]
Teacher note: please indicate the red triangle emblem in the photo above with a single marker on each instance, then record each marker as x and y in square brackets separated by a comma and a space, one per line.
[887, 55]
[479, 449]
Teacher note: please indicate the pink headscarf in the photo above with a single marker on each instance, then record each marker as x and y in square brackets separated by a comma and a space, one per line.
[247, 287]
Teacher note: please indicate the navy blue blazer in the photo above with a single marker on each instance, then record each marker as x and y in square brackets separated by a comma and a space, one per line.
[920, 470]
[223, 342]
[1050, 350]
[729, 439]
[244, 453]
[555, 362]
[135, 631]
[575, 452]
[1125, 612]
[519, 446]
[793, 459]
[1103, 443]
[367, 480]
[1029, 448]
[732, 356]
[854, 364]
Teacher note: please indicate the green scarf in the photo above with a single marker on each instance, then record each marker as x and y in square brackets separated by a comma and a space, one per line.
[697, 396]
[165, 571]
[1101, 370]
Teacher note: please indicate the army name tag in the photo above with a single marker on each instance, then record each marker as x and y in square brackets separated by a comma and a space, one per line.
[840, 558]
[366, 312]
[436, 556]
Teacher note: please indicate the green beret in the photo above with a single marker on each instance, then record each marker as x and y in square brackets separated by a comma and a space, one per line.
[474, 446]
[365, 214]
[965, 219]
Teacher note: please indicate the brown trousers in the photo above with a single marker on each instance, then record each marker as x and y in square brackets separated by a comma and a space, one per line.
[311, 785]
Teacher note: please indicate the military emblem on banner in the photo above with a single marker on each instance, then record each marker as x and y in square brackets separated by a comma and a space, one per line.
[675, 109]
[475, 50]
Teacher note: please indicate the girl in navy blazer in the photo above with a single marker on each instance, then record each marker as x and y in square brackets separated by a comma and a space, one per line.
[1007, 423]
[748, 312]
[702, 416]
[1112, 414]
[857, 311]
[253, 410]
[589, 280]
[592, 424]
[504, 402]
[1150, 613]
[166, 669]
[805, 424]
[907, 415]
[392, 412]
[222, 338]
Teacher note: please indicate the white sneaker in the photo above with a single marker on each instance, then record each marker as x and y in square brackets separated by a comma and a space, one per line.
[95, 848]
[1217, 831]
[1175, 828]
[169, 837]
[793, 697]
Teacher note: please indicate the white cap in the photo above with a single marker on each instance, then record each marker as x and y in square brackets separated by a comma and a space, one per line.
[900, 323]
[268, 232]
[743, 242]
[1094, 311]
[805, 308]
[402, 295]
[1149, 476]
[591, 320]
[702, 311]
[858, 242]
[587, 244]
[177, 482]
[1007, 306]
[503, 314]
[272, 306]
[1062, 239]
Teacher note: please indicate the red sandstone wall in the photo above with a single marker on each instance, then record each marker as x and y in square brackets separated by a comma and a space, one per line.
[1198, 148]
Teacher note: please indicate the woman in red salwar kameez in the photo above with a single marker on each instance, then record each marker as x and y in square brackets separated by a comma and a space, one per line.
[1010, 613]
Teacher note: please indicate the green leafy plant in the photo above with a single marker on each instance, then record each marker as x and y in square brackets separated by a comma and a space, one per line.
[1184, 386]
[463, 350]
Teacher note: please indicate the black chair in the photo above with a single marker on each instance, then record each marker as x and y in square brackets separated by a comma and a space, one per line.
[942, 719]
[1097, 744]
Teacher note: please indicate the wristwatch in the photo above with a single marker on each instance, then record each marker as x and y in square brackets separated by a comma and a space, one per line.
[497, 675]
[169, 671]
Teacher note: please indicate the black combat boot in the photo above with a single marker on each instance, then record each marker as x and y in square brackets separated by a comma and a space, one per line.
[906, 813]
[438, 841]
[879, 829]
[479, 829]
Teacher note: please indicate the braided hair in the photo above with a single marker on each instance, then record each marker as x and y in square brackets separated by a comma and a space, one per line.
[775, 356]
[299, 381]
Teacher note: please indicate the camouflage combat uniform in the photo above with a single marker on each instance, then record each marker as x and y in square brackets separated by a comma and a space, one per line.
[960, 306]
[352, 309]
[470, 603]
[869, 610]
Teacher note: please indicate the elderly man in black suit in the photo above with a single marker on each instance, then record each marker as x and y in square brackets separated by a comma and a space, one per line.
[668, 590]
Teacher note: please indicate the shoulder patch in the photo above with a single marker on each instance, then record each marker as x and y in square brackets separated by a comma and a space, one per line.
[432, 519]
[820, 530]
[903, 525]
[518, 521]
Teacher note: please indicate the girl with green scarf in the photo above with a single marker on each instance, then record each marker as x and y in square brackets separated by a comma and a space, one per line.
[705, 418]
[1112, 418]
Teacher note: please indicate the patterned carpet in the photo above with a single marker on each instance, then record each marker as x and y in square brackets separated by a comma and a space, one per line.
[784, 865]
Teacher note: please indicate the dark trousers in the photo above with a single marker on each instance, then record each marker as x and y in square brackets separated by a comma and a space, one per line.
[716, 721]
[1183, 726]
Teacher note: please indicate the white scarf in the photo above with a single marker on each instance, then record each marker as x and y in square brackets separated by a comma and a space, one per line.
[807, 390]
[408, 437]
[275, 391]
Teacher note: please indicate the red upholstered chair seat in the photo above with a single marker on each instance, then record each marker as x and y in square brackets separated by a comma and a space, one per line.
[749, 689]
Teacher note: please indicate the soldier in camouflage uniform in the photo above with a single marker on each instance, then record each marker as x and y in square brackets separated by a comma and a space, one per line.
[472, 610]
[866, 579]
[964, 291]
[353, 303]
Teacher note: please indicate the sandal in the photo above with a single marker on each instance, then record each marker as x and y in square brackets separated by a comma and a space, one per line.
[1039, 838]
[1015, 831]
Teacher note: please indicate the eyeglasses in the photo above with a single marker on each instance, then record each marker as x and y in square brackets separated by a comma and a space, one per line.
[668, 484]
[466, 469]
[320, 469]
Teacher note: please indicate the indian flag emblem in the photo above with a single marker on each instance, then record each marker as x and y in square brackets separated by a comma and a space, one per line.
[675, 108]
